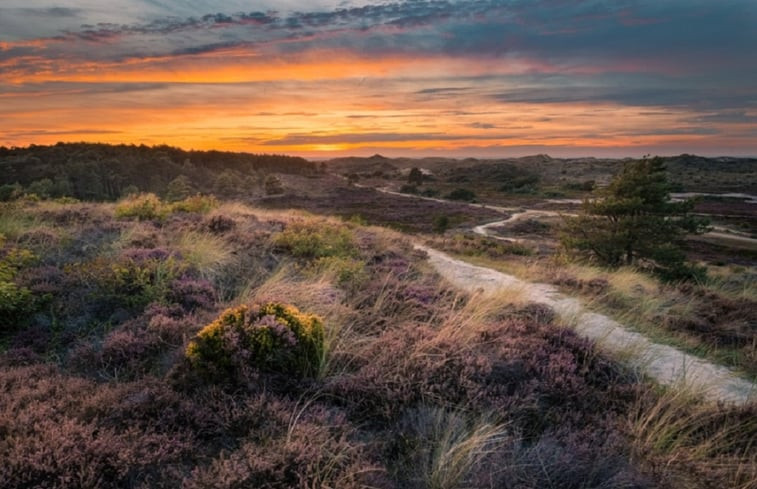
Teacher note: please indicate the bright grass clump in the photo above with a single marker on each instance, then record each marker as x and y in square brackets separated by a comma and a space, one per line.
[145, 207]
[142, 207]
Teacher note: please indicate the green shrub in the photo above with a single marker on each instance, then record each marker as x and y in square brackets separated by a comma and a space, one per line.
[462, 194]
[440, 224]
[10, 192]
[148, 206]
[179, 189]
[142, 207]
[272, 337]
[126, 283]
[347, 271]
[16, 303]
[273, 185]
[65, 200]
[196, 203]
[316, 239]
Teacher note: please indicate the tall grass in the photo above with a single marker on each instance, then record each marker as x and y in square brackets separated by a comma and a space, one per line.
[449, 445]
[690, 444]
[205, 252]
[15, 222]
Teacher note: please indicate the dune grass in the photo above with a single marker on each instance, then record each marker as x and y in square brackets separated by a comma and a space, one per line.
[418, 386]
[691, 444]
[206, 252]
[642, 303]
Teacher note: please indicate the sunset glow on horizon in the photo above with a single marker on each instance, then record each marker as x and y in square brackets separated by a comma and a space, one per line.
[484, 78]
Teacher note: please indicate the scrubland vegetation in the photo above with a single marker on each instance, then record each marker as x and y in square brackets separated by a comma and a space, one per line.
[713, 317]
[199, 343]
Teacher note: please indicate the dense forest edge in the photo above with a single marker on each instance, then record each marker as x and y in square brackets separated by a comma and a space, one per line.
[103, 172]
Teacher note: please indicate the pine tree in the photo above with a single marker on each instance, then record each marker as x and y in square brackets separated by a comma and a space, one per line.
[415, 177]
[179, 189]
[634, 222]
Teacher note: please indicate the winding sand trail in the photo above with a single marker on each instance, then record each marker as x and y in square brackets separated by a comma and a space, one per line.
[665, 364]
[486, 229]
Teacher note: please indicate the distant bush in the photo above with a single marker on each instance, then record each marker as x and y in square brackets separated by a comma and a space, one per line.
[220, 224]
[273, 338]
[586, 185]
[348, 272]
[316, 239]
[462, 194]
[43, 188]
[441, 224]
[142, 207]
[409, 189]
[273, 185]
[179, 188]
[131, 282]
[11, 191]
[16, 303]
[196, 203]
[146, 207]
[520, 184]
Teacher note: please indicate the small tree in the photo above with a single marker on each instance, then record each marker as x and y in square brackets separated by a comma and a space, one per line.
[633, 221]
[179, 189]
[225, 184]
[42, 188]
[415, 177]
[273, 185]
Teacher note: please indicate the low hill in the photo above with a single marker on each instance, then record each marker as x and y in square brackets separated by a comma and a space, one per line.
[693, 173]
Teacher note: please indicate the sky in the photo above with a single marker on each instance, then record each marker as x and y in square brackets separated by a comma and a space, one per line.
[323, 78]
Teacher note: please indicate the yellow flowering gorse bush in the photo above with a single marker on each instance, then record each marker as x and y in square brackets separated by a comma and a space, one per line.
[272, 337]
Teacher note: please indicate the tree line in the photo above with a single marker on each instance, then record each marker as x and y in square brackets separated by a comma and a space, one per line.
[89, 171]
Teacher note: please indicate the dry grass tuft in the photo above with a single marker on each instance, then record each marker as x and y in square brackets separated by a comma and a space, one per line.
[690, 444]
[206, 252]
[448, 445]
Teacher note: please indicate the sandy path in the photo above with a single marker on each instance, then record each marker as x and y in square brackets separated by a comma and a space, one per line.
[665, 364]
[486, 229]
[748, 198]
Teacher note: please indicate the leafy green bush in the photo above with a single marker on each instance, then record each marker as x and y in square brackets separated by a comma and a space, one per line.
[462, 194]
[10, 192]
[196, 203]
[441, 224]
[148, 206]
[179, 188]
[316, 239]
[127, 283]
[273, 185]
[348, 272]
[272, 337]
[16, 303]
[142, 207]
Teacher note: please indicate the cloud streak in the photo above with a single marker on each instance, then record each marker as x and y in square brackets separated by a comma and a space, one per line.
[442, 75]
